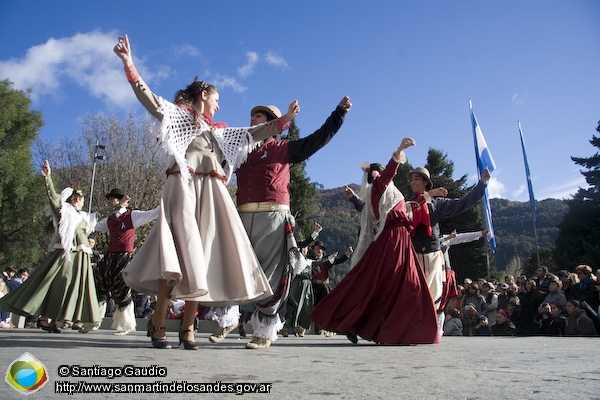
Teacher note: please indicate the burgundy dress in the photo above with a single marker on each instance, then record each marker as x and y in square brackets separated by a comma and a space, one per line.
[385, 297]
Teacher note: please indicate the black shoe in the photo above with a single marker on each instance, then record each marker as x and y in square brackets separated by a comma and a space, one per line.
[47, 328]
[157, 343]
[352, 337]
[242, 330]
[187, 344]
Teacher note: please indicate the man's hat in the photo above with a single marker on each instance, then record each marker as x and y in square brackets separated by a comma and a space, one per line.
[424, 173]
[268, 110]
[320, 244]
[116, 193]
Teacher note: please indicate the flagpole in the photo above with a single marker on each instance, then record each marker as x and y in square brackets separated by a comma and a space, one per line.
[531, 196]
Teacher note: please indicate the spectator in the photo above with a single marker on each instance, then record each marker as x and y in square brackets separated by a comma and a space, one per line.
[568, 280]
[5, 322]
[555, 295]
[513, 309]
[585, 291]
[578, 323]
[473, 296]
[457, 301]
[551, 319]
[470, 319]
[542, 278]
[503, 327]
[18, 279]
[529, 300]
[453, 325]
[491, 301]
[505, 296]
[8, 273]
[481, 328]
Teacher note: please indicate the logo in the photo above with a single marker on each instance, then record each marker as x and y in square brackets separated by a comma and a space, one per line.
[26, 374]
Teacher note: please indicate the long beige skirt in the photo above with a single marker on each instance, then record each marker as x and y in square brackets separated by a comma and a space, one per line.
[200, 247]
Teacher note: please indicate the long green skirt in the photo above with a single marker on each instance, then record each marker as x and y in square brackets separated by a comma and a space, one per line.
[61, 288]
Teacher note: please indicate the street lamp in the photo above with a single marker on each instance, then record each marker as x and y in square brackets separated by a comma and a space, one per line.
[98, 155]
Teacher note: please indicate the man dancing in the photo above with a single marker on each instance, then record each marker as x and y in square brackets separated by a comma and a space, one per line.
[120, 226]
[263, 200]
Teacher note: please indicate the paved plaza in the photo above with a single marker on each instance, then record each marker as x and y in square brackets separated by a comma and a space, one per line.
[310, 367]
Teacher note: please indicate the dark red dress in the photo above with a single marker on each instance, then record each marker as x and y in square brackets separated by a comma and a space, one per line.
[385, 297]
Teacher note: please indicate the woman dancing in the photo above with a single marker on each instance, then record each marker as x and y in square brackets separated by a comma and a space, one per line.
[385, 297]
[198, 250]
[62, 288]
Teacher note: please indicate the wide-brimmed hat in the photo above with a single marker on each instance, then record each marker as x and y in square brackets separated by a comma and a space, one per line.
[116, 193]
[268, 110]
[320, 244]
[424, 173]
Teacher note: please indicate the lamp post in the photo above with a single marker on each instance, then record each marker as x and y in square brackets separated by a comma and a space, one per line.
[98, 155]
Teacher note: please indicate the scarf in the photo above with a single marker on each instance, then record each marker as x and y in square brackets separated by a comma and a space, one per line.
[420, 212]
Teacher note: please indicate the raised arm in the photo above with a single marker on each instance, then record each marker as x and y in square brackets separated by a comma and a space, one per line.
[53, 196]
[143, 93]
[300, 150]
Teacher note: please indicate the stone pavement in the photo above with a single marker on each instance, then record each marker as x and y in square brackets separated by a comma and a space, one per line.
[316, 367]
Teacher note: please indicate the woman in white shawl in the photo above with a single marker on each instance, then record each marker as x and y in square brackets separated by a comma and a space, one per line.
[62, 288]
[198, 250]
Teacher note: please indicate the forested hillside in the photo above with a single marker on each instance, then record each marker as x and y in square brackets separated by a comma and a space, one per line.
[512, 223]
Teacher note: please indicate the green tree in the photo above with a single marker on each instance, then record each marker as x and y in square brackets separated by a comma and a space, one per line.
[546, 259]
[578, 240]
[302, 192]
[22, 192]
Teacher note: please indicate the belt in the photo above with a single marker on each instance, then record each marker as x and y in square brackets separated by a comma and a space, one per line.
[263, 206]
[212, 173]
[318, 282]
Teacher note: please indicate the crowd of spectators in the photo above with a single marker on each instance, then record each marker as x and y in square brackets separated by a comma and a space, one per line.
[561, 304]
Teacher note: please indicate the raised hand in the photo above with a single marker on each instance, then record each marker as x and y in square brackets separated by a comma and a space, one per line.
[345, 103]
[46, 168]
[348, 192]
[123, 50]
[293, 110]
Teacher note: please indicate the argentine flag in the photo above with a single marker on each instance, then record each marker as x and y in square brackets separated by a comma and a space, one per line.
[484, 159]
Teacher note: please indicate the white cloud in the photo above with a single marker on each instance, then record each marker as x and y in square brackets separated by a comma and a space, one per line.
[221, 81]
[496, 189]
[519, 98]
[186, 50]
[273, 59]
[562, 191]
[86, 59]
[517, 193]
[248, 68]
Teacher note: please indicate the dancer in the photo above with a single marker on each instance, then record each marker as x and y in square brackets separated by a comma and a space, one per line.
[62, 287]
[384, 297]
[427, 216]
[198, 250]
[263, 199]
[121, 226]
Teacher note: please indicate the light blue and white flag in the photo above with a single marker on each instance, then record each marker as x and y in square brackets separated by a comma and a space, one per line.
[484, 159]
[528, 174]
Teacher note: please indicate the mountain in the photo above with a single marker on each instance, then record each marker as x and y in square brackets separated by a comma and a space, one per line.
[513, 226]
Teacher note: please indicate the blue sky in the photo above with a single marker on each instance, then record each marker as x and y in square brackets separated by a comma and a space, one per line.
[409, 67]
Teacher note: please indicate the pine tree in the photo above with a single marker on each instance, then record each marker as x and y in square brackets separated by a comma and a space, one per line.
[578, 240]
[22, 192]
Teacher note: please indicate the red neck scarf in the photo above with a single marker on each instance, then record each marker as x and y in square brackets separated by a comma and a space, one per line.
[206, 117]
[420, 213]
